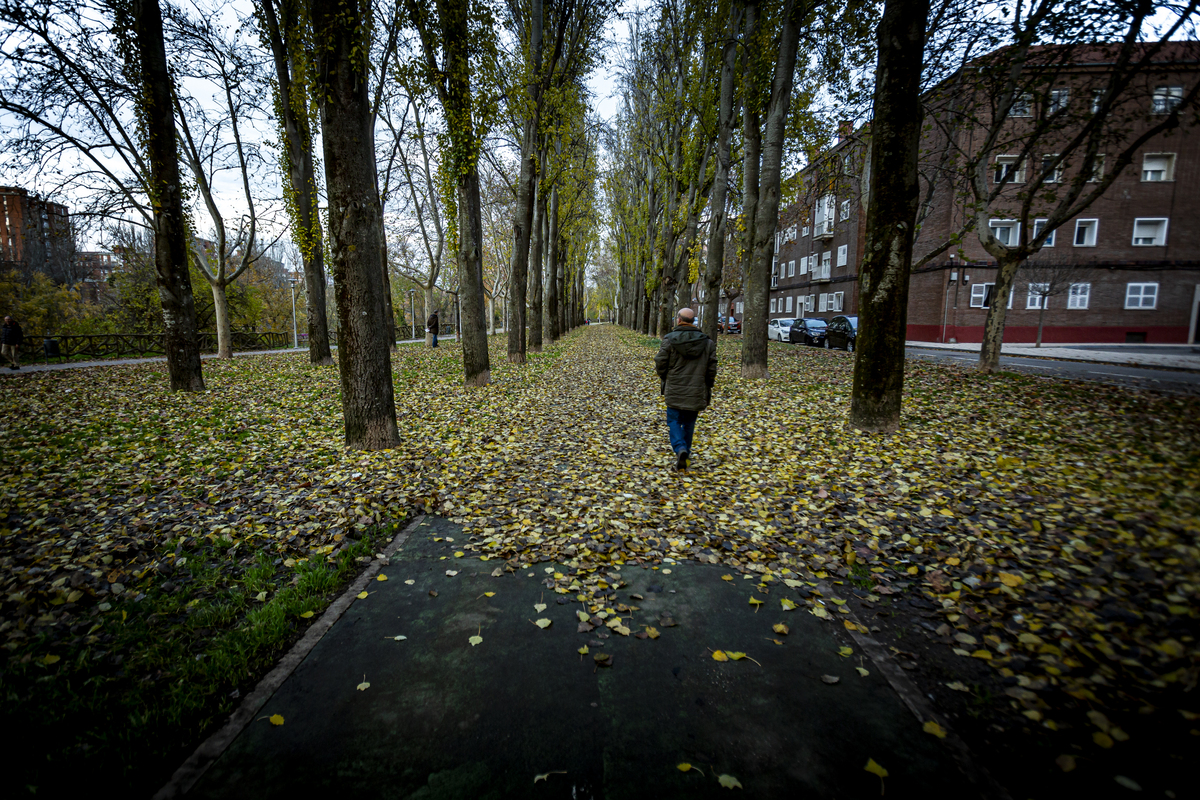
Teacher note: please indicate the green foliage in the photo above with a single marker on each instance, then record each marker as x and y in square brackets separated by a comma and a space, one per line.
[43, 307]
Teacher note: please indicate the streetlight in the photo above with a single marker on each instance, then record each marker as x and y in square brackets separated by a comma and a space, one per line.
[292, 281]
[412, 312]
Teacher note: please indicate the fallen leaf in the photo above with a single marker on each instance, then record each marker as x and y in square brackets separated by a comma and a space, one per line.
[539, 607]
[306, 615]
[450, 573]
[276, 719]
[381, 577]
[50, 659]
[935, 729]
[476, 639]
[754, 601]
[546, 775]
[433, 592]
[1128, 783]
[719, 655]
[729, 782]
[362, 595]
[583, 651]
[958, 686]
[780, 628]
[362, 687]
[489, 594]
[409, 582]
[396, 638]
[1065, 762]
[875, 769]
[1102, 739]
[543, 623]
[1008, 579]
[845, 652]
[726, 577]
[830, 679]
[788, 605]
[652, 633]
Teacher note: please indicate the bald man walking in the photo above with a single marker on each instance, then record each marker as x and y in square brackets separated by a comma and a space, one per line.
[687, 365]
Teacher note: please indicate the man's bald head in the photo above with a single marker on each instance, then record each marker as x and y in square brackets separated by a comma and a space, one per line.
[686, 316]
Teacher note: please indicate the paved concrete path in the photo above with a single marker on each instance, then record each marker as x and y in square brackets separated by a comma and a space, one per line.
[524, 715]
[1183, 356]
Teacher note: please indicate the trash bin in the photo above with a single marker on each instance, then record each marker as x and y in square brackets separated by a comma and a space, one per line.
[50, 348]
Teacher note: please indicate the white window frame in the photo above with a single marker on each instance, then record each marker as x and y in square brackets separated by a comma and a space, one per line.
[845, 210]
[836, 303]
[823, 303]
[809, 301]
[741, 307]
[1008, 165]
[1037, 297]
[1168, 167]
[1159, 240]
[791, 269]
[1166, 99]
[1014, 237]
[805, 231]
[788, 310]
[1097, 96]
[1136, 295]
[1078, 296]
[1051, 175]
[772, 305]
[1022, 105]
[804, 265]
[1038, 224]
[981, 296]
[826, 257]
[1097, 169]
[778, 237]
[843, 254]
[1060, 98]
[1092, 225]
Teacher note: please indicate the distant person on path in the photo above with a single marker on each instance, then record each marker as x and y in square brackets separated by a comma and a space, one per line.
[687, 365]
[12, 339]
[432, 325]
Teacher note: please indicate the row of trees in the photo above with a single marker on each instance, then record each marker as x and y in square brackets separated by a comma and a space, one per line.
[443, 129]
[968, 100]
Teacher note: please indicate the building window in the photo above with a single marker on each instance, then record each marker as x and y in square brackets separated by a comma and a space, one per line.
[1010, 169]
[1097, 169]
[791, 270]
[808, 304]
[845, 210]
[1038, 296]
[981, 295]
[825, 259]
[1022, 106]
[1158, 167]
[1149, 232]
[1006, 231]
[842, 253]
[1141, 295]
[824, 303]
[1051, 172]
[824, 218]
[805, 231]
[778, 236]
[772, 305]
[1038, 226]
[741, 307]
[836, 301]
[789, 304]
[1085, 232]
[1167, 99]
[804, 265]
[1097, 99]
[1058, 100]
[1078, 297]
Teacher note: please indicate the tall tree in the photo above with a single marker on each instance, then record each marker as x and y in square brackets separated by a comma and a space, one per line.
[355, 223]
[285, 27]
[458, 51]
[891, 218]
[149, 59]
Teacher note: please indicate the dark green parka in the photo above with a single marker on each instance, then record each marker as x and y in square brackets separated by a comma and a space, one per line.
[687, 365]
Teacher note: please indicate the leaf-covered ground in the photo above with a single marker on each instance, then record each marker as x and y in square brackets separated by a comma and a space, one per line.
[1051, 526]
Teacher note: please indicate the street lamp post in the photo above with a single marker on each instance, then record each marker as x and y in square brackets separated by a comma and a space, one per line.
[295, 335]
[412, 311]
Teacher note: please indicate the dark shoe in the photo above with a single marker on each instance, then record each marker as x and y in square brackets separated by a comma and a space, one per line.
[681, 460]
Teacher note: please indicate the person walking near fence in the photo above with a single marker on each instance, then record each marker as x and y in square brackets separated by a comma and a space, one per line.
[12, 338]
[687, 365]
[432, 325]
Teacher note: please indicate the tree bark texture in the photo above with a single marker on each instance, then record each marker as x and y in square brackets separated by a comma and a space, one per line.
[355, 226]
[754, 318]
[893, 198]
[537, 267]
[553, 294]
[170, 228]
[473, 330]
[715, 263]
[993, 326]
[301, 172]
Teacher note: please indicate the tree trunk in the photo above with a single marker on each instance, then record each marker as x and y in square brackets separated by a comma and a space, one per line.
[891, 217]
[355, 226]
[993, 326]
[491, 312]
[170, 227]
[522, 234]
[429, 306]
[754, 318]
[221, 319]
[715, 263]
[301, 173]
[1041, 321]
[473, 333]
[536, 267]
[387, 290]
[554, 297]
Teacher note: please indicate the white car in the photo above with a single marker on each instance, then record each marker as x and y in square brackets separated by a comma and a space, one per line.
[777, 329]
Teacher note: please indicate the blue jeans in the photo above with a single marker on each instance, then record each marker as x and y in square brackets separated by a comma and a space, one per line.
[434, 337]
[682, 425]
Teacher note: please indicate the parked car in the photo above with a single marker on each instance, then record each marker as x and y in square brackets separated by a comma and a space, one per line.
[810, 331]
[729, 325]
[777, 329]
[841, 333]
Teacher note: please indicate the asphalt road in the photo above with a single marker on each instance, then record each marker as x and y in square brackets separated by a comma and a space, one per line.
[1162, 380]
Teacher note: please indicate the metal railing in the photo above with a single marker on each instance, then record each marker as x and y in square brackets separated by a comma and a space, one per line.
[132, 345]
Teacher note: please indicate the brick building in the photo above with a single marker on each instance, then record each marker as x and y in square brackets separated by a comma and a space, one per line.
[35, 235]
[1126, 269]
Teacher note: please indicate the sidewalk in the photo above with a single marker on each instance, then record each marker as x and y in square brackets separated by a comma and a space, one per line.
[1183, 356]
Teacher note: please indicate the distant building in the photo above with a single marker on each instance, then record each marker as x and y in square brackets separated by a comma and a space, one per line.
[35, 236]
[94, 269]
[1129, 263]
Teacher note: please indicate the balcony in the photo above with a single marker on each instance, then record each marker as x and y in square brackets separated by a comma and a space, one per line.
[823, 231]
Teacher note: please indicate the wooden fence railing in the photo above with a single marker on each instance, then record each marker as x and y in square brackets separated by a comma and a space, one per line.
[132, 345]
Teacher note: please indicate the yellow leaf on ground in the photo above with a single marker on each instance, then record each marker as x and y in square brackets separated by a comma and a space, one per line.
[683, 767]
[1103, 739]
[726, 577]
[875, 769]
[1010, 580]
[984, 654]
[862, 672]
[845, 652]
[621, 629]
[779, 627]
[543, 623]
[459, 554]
[306, 615]
[583, 651]
[719, 655]
[489, 594]
[1065, 763]
[276, 719]
[754, 601]
[381, 577]
[787, 604]
[474, 640]
[539, 607]
[935, 729]
[850, 626]
[362, 595]
[734, 655]
[47, 660]
[653, 633]
[362, 687]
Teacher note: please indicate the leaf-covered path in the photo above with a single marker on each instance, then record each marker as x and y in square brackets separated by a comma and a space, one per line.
[1045, 529]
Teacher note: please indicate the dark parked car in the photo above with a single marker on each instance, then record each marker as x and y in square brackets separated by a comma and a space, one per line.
[809, 331]
[841, 333]
[729, 325]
